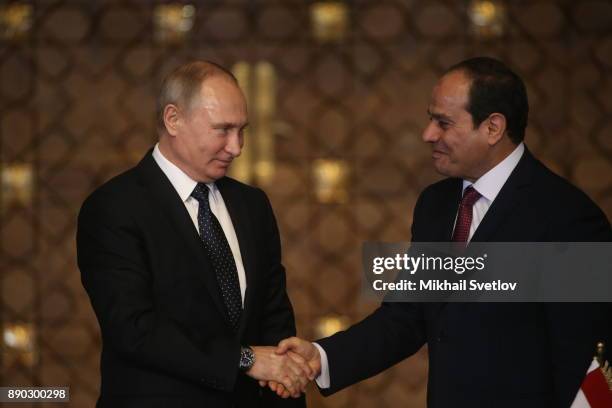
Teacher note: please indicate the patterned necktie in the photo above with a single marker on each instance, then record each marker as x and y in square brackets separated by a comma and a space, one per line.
[464, 218]
[220, 255]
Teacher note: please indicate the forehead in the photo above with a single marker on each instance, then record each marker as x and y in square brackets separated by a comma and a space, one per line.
[450, 95]
[220, 94]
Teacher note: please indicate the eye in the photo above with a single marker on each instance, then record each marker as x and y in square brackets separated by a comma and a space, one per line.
[440, 123]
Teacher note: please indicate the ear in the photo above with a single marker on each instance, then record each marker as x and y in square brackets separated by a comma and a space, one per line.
[495, 127]
[172, 118]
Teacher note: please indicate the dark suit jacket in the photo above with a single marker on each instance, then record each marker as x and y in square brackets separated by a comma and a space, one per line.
[488, 354]
[166, 339]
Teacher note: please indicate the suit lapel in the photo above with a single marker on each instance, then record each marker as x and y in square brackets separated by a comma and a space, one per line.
[438, 217]
[165, 196]
[507, 201]
[448, 212]
[441, 230]
[237, 209]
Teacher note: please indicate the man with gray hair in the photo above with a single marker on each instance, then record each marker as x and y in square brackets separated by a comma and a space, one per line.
[183, 264]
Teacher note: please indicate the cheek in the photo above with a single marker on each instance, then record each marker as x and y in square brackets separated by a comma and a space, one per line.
[204, 144]
[474, 151]
[453, 144]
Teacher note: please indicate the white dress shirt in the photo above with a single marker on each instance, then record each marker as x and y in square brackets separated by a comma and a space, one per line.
[488, 185]
[184, 185]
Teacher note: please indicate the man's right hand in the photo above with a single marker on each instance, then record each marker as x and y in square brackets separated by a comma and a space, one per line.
[300, 351]
[280, 368]
[303, 348]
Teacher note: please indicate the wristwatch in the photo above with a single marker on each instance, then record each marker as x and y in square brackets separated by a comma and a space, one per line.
[247, 358]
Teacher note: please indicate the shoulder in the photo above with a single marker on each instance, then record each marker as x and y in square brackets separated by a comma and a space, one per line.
[572, 213]
[555, 189]
[246, 191]
[118, 191]
[441, 190]
[437, 200]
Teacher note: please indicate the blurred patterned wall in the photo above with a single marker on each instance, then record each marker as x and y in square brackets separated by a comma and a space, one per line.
[338, 93]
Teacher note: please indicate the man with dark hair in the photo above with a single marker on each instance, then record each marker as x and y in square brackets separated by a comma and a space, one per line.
[481, 354]
[495, 88]
[183, 264]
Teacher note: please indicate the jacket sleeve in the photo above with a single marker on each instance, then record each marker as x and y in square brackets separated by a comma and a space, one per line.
[116, 274]
[392, 333]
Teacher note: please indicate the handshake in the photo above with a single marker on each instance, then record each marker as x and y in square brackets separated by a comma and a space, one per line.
[287, 368]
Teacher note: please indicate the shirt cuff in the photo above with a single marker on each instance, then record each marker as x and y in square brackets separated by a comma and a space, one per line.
[323, 378]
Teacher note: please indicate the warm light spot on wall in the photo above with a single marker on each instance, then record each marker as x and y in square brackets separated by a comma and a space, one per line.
[328, 325]
[17, 184]
[15, 20]
[329, 20]
[19, 341]
[330, 180]
[488, 18]
[173, 22]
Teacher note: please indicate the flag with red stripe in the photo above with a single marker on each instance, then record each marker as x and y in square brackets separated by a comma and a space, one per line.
[594, 391]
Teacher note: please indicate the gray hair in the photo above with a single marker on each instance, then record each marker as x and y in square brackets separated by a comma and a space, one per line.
[183, 84]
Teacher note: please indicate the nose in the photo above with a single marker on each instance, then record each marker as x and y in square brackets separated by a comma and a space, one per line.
[234, 144]
[430, 133]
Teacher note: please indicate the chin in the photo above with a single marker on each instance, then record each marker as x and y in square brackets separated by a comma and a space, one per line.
[218, 174]
[441, 168]
[445, 171]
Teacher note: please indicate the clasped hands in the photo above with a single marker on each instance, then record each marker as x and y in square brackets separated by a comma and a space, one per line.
[287, 368]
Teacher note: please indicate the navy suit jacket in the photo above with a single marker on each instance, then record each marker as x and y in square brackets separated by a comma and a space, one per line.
[489, 354]
[166, 338]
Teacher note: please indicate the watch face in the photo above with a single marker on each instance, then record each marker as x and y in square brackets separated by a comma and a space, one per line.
[247, 358]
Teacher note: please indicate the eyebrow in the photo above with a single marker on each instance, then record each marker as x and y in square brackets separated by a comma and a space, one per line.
[223, 125]
[439, 116]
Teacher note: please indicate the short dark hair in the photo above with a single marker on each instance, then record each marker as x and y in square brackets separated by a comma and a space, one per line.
[183, 85]
[495, 88]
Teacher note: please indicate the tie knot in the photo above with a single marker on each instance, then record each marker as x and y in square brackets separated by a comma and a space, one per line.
[200, 193]
[470, 196]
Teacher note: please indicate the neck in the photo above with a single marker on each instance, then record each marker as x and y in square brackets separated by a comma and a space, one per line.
[168, 152]
[498, 153]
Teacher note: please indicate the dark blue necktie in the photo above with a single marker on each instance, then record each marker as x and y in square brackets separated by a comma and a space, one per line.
[220, 255]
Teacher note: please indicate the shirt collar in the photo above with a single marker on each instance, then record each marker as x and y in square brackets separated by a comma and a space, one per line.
[490, 183]
[182, 183]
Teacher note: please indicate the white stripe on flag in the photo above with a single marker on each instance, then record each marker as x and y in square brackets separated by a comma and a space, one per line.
[580, 401]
